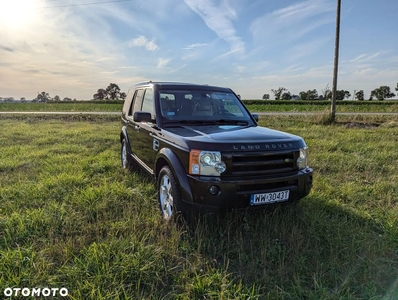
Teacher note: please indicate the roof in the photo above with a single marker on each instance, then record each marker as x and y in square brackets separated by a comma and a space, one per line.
[170, 85]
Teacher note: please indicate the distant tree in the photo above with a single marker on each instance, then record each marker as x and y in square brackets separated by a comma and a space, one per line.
[286, 96]
[123, 96]
[56, 98]
[309, 95]
[100, 95]
[67, 99]
[340, 95]
[325, 91]
[278, 92]
[396, 88]
[312, 94]
[382, 93]
[23, 99]
[113, 91]
[303, 95]
[266, 97]
[43, 97]
[360, 95]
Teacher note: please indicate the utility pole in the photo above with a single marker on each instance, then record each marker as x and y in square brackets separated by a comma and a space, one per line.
[336, 61]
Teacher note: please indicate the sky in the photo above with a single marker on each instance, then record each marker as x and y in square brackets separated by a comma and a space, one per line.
[72, 48]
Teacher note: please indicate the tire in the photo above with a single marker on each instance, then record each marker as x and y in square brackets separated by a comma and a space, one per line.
[169, 197]
[124, 156]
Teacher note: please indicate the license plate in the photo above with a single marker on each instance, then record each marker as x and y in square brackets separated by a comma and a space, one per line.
[266, 198]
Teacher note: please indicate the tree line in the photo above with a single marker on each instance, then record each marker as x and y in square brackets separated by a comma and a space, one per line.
[45, 97]
[281, 93]
[112, 92]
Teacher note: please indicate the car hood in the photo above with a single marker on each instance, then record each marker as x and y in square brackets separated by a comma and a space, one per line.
[236, 137]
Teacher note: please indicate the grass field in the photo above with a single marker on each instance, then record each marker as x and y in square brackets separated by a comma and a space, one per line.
[253, 106]
[62, 106]
[71, 217]
[322, 108]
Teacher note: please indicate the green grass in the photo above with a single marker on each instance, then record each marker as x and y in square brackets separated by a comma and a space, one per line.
[71, 217]
[253, 105]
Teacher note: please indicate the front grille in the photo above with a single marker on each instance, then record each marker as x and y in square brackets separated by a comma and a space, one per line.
[263, 163]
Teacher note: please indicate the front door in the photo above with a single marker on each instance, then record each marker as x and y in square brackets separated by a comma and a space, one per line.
[144, 144]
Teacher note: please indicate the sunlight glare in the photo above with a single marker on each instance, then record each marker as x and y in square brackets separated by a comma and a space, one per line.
[17, 13]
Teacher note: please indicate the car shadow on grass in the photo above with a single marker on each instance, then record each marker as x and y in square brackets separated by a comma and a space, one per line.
[313, 250]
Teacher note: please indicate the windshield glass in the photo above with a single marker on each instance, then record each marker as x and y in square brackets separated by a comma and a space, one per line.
[193, 105]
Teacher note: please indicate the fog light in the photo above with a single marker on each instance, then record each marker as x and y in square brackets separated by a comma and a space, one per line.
[213, 189]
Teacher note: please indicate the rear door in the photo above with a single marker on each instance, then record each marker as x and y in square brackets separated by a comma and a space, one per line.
[131, 125]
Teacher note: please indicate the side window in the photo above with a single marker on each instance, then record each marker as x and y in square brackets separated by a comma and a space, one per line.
[130, 112]
[137, 101]
[127, 102]
[148, 102]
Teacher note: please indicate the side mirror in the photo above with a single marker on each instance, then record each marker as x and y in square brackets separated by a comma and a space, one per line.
[142, 116]
[255, 116]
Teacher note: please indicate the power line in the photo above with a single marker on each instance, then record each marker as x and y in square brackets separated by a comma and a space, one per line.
[83, 4]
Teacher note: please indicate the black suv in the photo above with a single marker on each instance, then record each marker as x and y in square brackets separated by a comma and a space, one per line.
[206, 150]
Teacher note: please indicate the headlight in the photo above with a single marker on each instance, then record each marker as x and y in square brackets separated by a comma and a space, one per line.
[206, 163]
[302, 160]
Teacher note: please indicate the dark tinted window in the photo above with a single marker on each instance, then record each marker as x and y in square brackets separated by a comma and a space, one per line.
[137, 102]
[130, 112]
[128, 101]
[200, 104]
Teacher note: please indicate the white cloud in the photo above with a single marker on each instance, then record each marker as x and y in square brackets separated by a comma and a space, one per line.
[364, 57]
[162, 62]
[143, 41]
[219, 19]
[194, 46]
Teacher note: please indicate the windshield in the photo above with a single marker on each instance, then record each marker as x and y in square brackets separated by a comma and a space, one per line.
[199, 105]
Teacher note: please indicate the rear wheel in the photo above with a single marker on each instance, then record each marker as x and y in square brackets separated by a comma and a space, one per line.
[169, 197]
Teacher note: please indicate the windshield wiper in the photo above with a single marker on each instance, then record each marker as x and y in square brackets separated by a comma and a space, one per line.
[234, 122]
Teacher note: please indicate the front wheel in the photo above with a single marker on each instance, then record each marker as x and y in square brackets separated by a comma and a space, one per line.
[124, 157]
[169, 194]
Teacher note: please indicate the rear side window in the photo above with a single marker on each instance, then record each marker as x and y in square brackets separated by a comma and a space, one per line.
[127, 102]
[137, 102]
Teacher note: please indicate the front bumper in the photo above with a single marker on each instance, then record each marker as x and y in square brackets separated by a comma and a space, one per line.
[235, 192]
